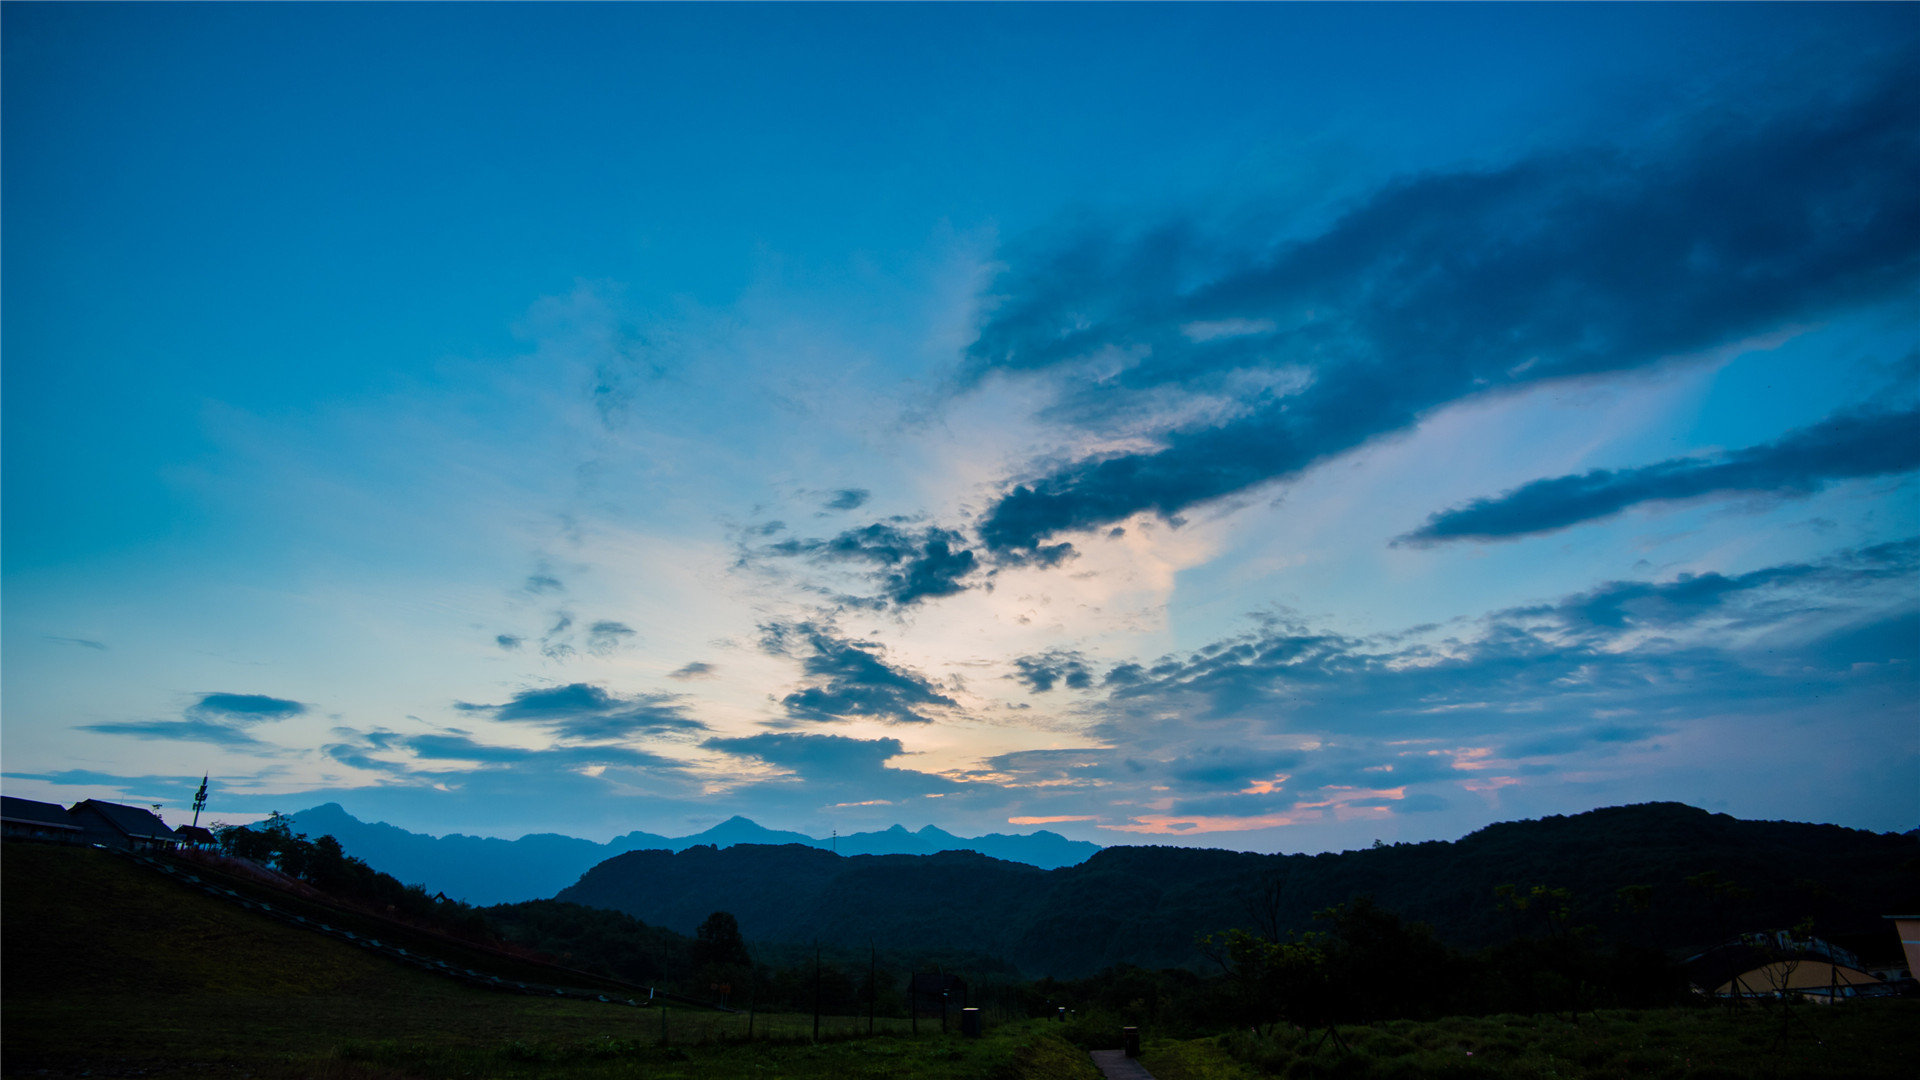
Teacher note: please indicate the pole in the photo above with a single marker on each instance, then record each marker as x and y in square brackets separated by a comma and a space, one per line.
[816, 990]
[873, 984]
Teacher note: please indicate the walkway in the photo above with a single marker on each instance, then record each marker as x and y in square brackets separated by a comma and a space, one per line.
[1118, 1066]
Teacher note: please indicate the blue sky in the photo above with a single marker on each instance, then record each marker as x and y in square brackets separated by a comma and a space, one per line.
[1273, 427]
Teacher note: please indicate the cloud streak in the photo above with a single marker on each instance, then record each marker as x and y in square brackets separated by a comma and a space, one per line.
[1801, 462]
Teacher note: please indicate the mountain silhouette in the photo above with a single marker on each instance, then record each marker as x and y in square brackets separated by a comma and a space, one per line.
[490, 870]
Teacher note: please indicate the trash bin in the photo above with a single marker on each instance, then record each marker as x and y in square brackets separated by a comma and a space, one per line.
[970, 1023]
[1130, 1040]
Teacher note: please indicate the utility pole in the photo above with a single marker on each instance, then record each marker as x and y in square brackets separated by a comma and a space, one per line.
[199, 801]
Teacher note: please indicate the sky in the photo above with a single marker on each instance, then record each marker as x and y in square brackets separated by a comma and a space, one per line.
[1277, 428]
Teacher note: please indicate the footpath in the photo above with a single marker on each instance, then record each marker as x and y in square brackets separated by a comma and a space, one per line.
[1118, 1066]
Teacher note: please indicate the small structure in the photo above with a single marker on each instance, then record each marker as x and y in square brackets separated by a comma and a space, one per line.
[26, 819]
[1908, 928]
[196, 838]
[1777, 965]
[120, 826]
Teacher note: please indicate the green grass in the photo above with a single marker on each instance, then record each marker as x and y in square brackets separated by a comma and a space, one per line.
[112, 970]
[1857, 1040]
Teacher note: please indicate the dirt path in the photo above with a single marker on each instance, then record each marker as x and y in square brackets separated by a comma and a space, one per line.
[1118, 1066]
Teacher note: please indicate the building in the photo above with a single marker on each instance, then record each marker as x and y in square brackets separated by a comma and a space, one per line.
[115, 825]
[25, 819]
[1777, 964]
[194, 836]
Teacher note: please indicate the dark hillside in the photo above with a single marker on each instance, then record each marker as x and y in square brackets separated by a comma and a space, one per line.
[81, 920]
[1146, 905]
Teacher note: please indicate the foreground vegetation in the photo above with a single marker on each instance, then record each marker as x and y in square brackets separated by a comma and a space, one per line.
[1858, 1040]
[113, 970]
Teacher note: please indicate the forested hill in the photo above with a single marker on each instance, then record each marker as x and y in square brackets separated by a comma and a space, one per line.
[1704, 877]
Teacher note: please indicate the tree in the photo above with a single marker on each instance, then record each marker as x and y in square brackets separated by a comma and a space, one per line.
[720, 959]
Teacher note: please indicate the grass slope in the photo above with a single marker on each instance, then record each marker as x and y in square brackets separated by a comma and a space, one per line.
[112, 970]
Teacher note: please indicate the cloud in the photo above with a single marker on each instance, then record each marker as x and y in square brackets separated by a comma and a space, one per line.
[192, 730]
[910, 564]
[697, 669]
[1437, 288]
[1041, 671]
[837, 771]
[1287, 724]
[245, 708]
[1801, 462]
[852, 679]
[218, 718]
[554, 644]
[848, 499]
[812, 755]
[143, 789]
[85, 643]
[582, 712]
[539, 584]
[607, 635]
[507, 641]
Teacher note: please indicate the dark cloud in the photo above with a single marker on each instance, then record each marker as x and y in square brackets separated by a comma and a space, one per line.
[698, 669]
[855, 679]
[1656, 649]
[544, 583]
[911, 564]
[85, 643]
[1791, 588]
[849, 499]
[585, 713]
[219, 718]
[245, 708]
[1041, 671]
[1800, 463]
[1445, 286]
[507, 641]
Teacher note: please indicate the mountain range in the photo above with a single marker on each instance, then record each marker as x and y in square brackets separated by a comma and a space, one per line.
[1662, 876]
[489, 870]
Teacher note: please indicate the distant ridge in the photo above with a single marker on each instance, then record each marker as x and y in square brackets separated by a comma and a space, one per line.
[490, 870]
[1147, 905]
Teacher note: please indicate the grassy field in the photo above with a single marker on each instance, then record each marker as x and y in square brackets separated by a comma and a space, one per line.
[1858, 1040]
[111, 970]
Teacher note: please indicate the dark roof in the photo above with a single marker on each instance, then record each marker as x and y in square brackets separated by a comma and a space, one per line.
[129, 821]
[194, 834]
[29, 812]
